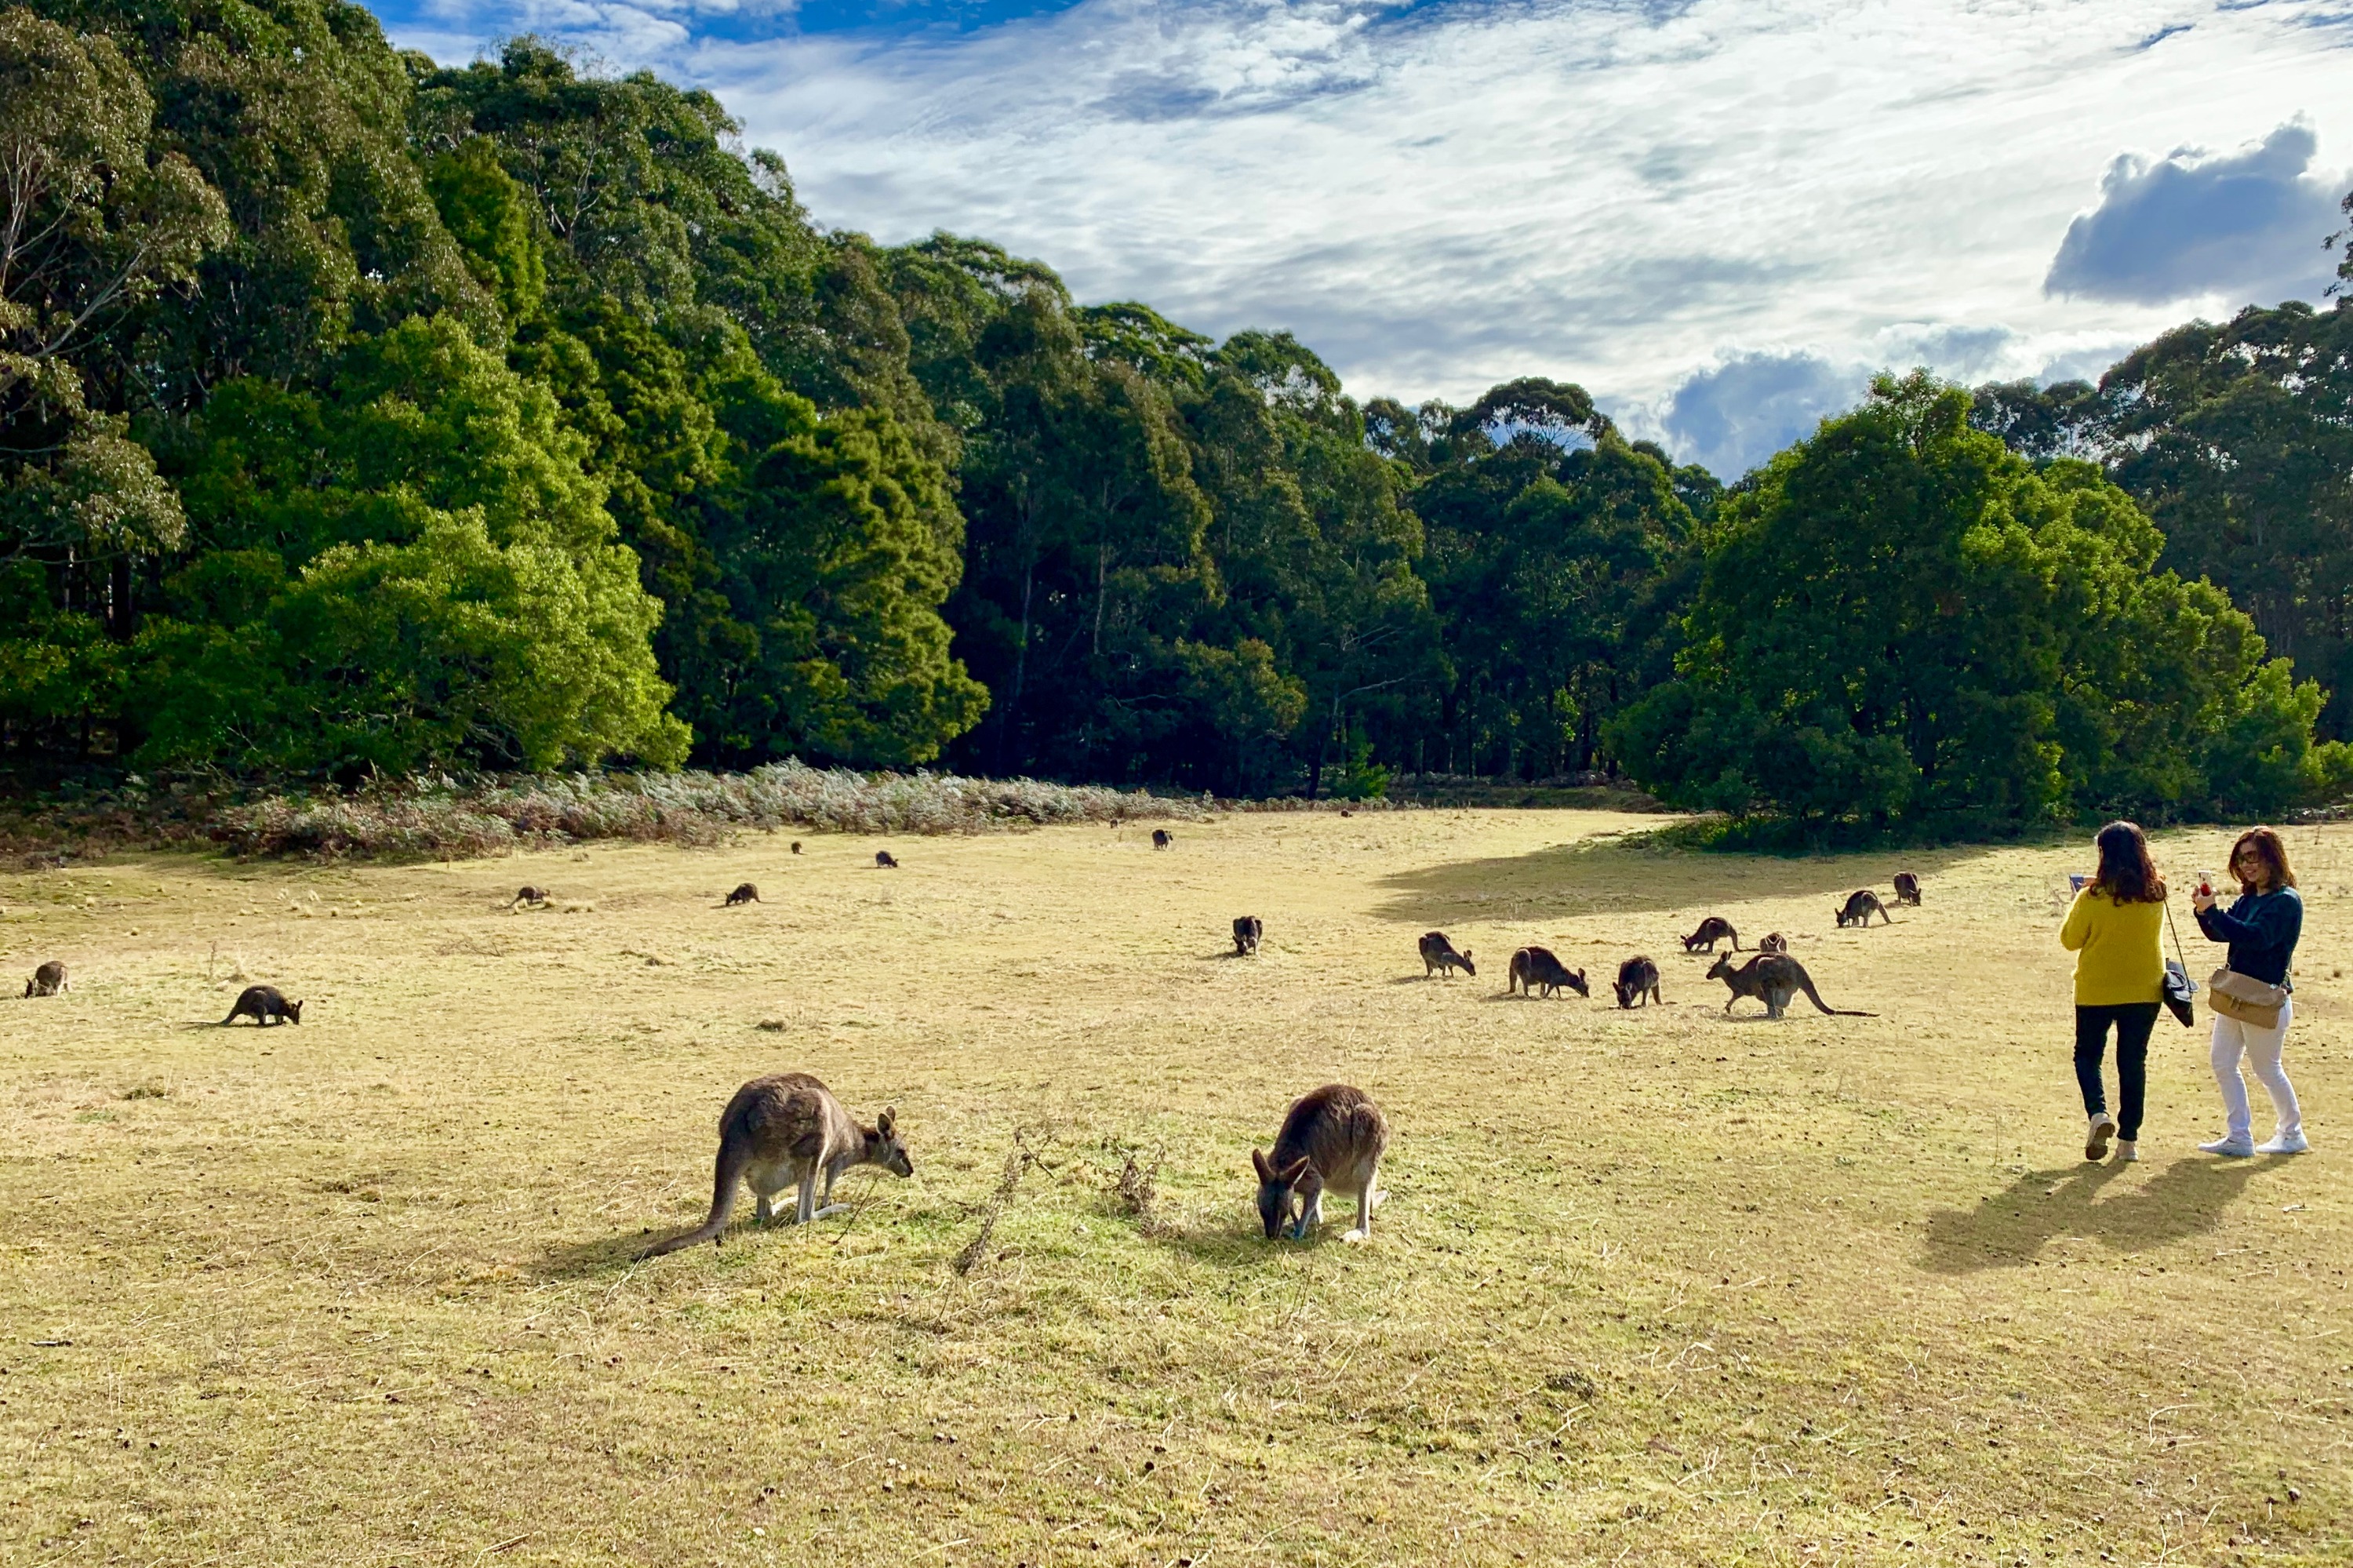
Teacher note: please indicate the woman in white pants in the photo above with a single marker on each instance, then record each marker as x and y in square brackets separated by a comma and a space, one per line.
[2261, 928]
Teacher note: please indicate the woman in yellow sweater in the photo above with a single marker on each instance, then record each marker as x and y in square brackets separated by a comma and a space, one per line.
[2119, 979]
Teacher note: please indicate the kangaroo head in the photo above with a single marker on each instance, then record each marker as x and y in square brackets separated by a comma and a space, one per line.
[883, 1147]
[1278, 1191]
[1625, 992]
[1577, 978]
[1466, 962]
[294, 1013]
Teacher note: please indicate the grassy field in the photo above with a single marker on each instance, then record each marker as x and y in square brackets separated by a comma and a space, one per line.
[1651, 1287]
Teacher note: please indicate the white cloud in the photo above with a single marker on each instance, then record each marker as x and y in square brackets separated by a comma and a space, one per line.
[1624, 193]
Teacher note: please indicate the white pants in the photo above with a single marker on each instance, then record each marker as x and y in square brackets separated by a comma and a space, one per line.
[2262, 1049]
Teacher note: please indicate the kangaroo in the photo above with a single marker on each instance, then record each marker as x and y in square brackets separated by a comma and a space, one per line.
[1774, 942]
[528, 895]
[785, 1130]
[1773, 979]
[49, 980]
[885, 860]
[796, 846]
[1161, 837]
[1437, 953]
[1710, 930]
[1861, 904]
[1330, 1140]
[1533, 967]
[1247, 930]
[1638, 976]
[1908, 888]
[745, 894]
[265, 1004]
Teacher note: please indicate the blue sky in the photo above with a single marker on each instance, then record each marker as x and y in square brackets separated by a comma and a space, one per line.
[1719, 216]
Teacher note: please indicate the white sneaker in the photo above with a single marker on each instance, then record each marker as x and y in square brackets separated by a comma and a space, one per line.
[2286, 1143]
[2095, 1144]
[2127, 1150]
[2228, 1147]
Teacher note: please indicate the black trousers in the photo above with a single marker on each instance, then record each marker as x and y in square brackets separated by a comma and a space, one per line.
[2134, 1020]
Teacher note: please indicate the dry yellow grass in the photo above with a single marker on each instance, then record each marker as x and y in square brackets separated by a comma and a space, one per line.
[1650, 1288]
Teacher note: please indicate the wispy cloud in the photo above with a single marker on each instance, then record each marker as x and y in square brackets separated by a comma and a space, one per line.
[1627, 193]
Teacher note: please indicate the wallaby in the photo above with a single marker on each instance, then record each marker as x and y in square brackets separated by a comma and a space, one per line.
[1773, 979]
[885, 860]
[1247, 930]
[1908, 888]
[1714, 929]
[1774, 942]
[264, 1005]
[535, 896]
[1861, 904]
[796, 846]
[744, 894]
[784, 1131]
[1638, 976]
[1533, 967]
[1437, 953]
[49, 980]
[1161, 838]
[1331, 1141]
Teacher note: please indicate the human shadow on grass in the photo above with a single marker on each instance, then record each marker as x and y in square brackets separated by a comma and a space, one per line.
[1621, 877]
[2010, 1229]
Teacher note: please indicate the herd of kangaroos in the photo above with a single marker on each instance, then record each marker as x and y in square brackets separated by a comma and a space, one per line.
[788, 1130]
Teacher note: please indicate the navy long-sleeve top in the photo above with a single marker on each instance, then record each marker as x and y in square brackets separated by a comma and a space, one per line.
[2261, 928]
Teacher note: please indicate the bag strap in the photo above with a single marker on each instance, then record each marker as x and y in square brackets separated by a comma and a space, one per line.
[2182, 958]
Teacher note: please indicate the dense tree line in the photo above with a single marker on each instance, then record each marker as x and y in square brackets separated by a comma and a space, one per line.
[359, 415]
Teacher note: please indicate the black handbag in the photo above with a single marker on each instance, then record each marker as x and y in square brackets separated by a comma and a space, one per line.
[2179, 987]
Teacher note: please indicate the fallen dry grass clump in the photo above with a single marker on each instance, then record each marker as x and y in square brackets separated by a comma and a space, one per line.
[443, 818]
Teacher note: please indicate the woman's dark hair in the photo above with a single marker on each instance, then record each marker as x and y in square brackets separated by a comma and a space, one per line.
[2266, 846]
[2127, 873]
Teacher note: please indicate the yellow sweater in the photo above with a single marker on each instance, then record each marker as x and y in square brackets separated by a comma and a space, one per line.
[2117, 958]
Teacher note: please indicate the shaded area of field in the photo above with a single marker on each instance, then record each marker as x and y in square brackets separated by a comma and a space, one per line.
[1655, 1287]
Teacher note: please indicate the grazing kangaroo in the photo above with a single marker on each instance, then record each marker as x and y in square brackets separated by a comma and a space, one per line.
[1711, 930]
[745, 894]
[885, 860]
[49, 980]
[1773, 979]
[1248, 929]
[785, 1130]
[1774, 942]
[1908, 888]
[265, 1004]
[1331, 1141]
[796, 846]
[1161, 838]
[526, 894]
[1638, 976]
[1861, 904]
[1437, 953]
[1533, 967]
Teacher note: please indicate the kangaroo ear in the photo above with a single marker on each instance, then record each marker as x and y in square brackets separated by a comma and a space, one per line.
[884, 1123]
[1265, 1171]
[1295, 1170]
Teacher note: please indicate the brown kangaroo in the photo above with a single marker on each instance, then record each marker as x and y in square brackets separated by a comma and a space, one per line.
[796, 846]
[1331, 1141]
[527, 894]
[1773, 979]
[1248, 931]
[49, 980]
[744, 894]
[785, 1130]
[1774, 942]
[1712, 929]
[1437, 953]
[1908, 888]
[1533, 967]
[885, 860]
[1638, 976]
[1860, 905]
[265, 1004]
[1161, 838]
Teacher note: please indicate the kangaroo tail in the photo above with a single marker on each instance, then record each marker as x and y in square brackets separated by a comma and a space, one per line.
[1816, 998]
[734, 1153]
[225, 1022]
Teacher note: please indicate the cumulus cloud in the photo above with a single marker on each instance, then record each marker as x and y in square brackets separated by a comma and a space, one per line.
[1733, 416]
[2248, 225]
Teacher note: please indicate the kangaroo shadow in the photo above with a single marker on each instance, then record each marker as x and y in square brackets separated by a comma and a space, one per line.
[2008, 1229]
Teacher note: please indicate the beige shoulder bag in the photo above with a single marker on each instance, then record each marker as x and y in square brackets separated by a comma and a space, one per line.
[2250, 1001]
